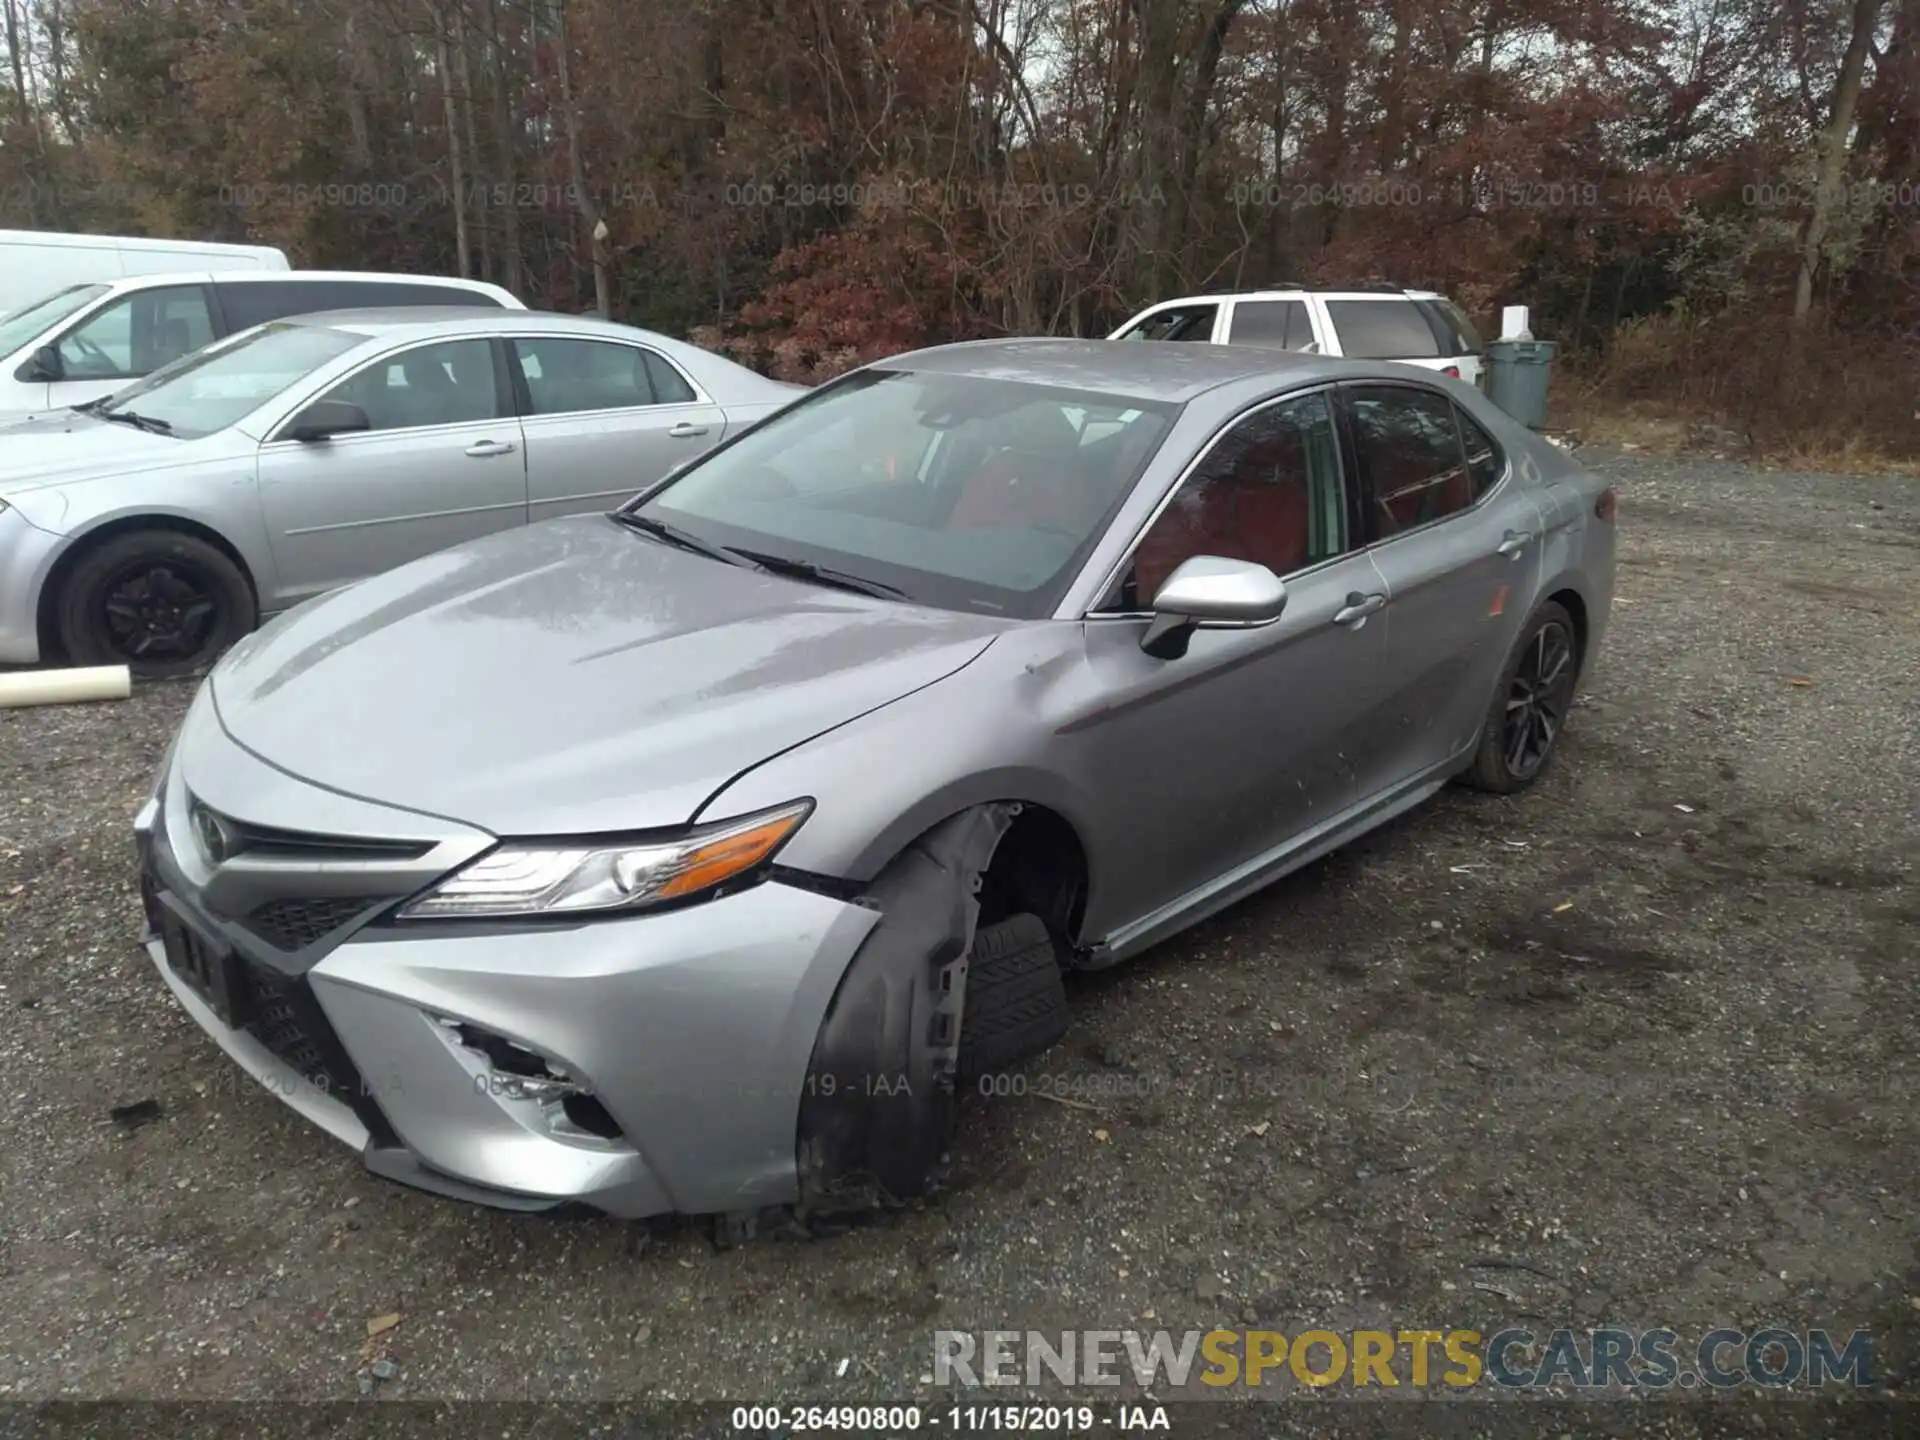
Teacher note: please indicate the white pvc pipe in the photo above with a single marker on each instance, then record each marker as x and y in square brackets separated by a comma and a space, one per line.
[65, 687]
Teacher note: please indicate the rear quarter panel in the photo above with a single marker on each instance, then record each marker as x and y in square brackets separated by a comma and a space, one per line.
[1578, 548]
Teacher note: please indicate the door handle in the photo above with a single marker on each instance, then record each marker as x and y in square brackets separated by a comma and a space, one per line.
[1358, 608]
[484, 449]
[1513, 544]
[686, 430]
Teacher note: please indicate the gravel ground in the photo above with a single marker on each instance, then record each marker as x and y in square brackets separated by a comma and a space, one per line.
[1642, 1037]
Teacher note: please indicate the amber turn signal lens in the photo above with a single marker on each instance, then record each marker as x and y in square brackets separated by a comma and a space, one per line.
[728, 856]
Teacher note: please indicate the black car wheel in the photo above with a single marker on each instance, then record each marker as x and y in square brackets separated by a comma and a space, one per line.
[161, 602]
[1530, 704]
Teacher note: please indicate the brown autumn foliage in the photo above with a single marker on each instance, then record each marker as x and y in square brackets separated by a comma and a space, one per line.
[1712, 204]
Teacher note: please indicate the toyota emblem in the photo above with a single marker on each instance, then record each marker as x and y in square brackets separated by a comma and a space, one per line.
[211, 830]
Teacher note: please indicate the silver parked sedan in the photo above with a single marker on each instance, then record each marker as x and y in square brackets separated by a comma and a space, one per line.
[155, 526]
[702, 855]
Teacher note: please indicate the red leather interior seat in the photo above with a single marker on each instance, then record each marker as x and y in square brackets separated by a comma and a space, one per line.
[1032, 480]
[1252, 508]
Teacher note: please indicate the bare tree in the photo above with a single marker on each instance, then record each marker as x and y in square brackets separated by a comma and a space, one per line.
[1833, 150]
[456, 155]
[584, 205]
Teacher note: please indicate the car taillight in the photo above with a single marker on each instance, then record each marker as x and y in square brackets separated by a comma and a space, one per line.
[1453, 370]
[1605, 505]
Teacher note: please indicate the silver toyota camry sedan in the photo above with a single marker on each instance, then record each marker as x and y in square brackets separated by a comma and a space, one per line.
[153, 527]
[702, 856]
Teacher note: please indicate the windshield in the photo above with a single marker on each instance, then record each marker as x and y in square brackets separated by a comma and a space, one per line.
[955, 491]
[24, 326]
[211, 388]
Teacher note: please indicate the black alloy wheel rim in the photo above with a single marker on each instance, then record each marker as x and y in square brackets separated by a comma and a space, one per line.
[1537, 701]
[159, 610]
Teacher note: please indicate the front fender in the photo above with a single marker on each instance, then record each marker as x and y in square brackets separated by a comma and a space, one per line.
[892, 775]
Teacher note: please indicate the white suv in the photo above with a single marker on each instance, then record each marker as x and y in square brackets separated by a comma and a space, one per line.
[1417, 327]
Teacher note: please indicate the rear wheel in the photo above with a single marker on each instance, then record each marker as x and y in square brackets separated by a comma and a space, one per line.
[1530, 705]
[1016, 1001]
[161, 602]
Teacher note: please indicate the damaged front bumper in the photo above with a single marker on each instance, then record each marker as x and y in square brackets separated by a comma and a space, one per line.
[639, 1065]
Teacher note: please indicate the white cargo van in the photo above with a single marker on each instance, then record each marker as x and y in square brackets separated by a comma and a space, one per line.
[35, 263]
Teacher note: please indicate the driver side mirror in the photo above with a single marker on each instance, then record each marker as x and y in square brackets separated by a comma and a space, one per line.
[324, 419]
[1211, 590]
[46, 367]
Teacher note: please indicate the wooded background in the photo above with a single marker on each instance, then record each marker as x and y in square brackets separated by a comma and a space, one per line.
[1711, 203]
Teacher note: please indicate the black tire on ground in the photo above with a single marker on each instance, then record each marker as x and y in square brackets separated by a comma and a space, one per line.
[1549, 632]
[1016, 1001]
[162, 602]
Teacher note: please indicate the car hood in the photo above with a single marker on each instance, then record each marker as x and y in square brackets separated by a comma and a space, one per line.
[64, 446]
[569, 678]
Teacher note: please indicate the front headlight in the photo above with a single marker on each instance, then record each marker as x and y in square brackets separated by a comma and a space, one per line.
[557, 878]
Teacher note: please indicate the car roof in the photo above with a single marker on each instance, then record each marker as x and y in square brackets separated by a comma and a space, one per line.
[155, 279]
[1127, 369]
[406, 322]
[281, 277]
[1294, 292]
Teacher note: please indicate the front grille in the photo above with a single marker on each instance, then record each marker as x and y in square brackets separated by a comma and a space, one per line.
[244, 837]
[294, 924]
[287, 1019]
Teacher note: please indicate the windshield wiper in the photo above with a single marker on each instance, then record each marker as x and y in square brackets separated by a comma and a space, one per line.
[823, 575]
[148, 423]
[674, 535]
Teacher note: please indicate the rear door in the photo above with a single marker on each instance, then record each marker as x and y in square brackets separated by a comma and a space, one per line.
[1279, 324]
[444, 463]
[603, 418]
[1457, 539]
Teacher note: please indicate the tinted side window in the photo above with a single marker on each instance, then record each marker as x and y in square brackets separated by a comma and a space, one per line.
[248, 303]
[1409, 453]
[1268, 491]
[1484, 460]
[1450, 323]
[446, 384]
[567, 376]
[670, 387]
[1281, 323]
[379, 292]
[1190, 322]
[137, 335]
[1382, 329]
